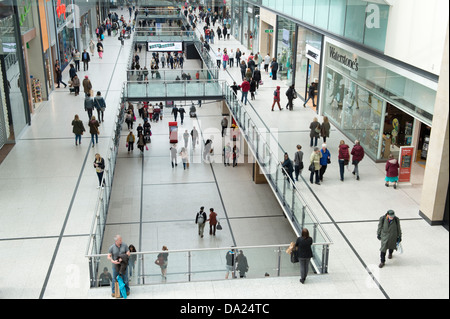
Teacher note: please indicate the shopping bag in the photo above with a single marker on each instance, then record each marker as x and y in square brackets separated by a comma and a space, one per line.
[116, 290]
[399, 248]
[122, 289]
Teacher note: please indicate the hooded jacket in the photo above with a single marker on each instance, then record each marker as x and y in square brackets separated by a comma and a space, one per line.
[392, 168]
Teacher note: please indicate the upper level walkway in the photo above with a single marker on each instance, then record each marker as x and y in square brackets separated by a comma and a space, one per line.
[48, 194]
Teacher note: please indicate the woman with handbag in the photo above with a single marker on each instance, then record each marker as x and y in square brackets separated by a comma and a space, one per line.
[304, 252]
[78, 129]
[93, 129]
[212, 222]
[100, 49]
[314, 131]
[314, 167]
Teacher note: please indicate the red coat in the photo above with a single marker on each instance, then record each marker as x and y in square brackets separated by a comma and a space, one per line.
[358, 153]
[343, 152]
[212, 218]
[245, 86]
[392, 168]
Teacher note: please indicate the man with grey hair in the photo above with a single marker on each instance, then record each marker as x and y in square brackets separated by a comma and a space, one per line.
[117, 249]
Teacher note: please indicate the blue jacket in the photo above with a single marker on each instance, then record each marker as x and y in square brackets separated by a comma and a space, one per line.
[325, 155]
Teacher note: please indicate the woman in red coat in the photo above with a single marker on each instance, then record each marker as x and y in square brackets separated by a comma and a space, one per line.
[392, 167]
[344, 157]
[212, 222]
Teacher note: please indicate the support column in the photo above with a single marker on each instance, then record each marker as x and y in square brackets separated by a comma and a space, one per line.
[258, 176]
[436, 179]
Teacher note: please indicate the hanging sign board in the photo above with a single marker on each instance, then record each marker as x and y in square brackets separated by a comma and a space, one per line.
[164, 46]
[406, 158]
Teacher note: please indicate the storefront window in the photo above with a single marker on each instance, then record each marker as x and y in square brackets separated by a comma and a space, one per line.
[309, 45]
[285, 49]
[14, 108]
[356, 111]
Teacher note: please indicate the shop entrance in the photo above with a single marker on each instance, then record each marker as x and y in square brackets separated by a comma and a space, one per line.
[398, 131]
[423, 143]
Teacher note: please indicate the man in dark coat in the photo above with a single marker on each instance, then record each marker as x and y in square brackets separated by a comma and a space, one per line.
[389, 233]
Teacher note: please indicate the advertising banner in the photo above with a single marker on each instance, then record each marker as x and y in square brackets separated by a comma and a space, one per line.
[164, 46]
[406, 159]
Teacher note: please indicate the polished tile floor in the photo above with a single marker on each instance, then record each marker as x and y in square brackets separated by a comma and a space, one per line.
[48, 194]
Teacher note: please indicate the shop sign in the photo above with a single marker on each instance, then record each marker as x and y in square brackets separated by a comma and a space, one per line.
[348, 62]
[165, 46]
[406, 156]
[269, 31]
[313, 54]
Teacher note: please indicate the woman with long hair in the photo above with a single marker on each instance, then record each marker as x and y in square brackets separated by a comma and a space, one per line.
[303, 245]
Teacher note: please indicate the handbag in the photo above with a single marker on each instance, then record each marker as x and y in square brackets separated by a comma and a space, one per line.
[312, 167]
[219, 227]
[399, 248]
[294, 255]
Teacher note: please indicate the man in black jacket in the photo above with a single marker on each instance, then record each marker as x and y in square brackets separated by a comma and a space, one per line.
[200, 220]
[86, 58]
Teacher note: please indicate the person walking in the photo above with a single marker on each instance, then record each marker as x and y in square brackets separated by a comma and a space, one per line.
[252, 88]
[311, 94]
[212, 222]
[76, 59]
[245, 87]
[100, 105]
[86, 58]
[99, 165]
[130, 141]
[227, 151]
[186, 138]
[235, 155]
[141, 142]
[175, 113]
[298, 162]
[225, 59]
[173, 155]
[314, 132]
[325, 129]
[72, 73]
[243, 67]
[304, 253]
[59, 77]
[181, 111]
[93, 129]
[358, 155]
[242, 264]
[267, 60]
[76, 85]
[184, 158]
[276, 98]
[219, 56]
[114, 251]
[87, 86]
[274, 68]
[230, 258]
[343, 157]
[291, 95]
[89, 105]
[200, 220]
[194, 135]
[324, 161]
[100, 49]
[224, 124]
[162, 260]
[288, 167]
[392, 168]
[389, 232]
[315, 165]
[78, 129]
[91, 47]
[238, 56]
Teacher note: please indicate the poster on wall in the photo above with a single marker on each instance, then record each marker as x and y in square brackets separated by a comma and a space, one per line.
[406, 156]
[164, 46]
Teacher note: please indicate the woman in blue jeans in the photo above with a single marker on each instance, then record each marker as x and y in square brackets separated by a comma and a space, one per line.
[344, 157]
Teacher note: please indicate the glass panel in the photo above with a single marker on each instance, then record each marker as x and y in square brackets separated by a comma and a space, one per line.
[309, 11]
[336, 21]
[298, 9]
[356, 16]
[322, 11]
[376, 26]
